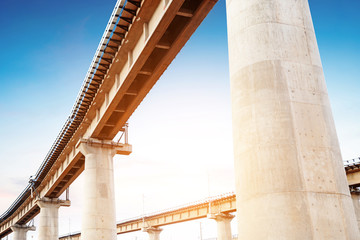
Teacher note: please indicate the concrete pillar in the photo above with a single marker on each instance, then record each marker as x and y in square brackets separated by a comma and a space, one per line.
[48, 217]
[290, 179]
[223, 221]
[98, 213]
[356, 201]
[20, 231]
[154, 232]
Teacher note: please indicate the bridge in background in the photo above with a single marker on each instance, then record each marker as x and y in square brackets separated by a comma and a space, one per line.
[352, 168]
[215, 208]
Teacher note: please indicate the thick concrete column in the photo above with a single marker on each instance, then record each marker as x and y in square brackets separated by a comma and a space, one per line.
[290, 179]
[356, 201]
[48, 217]
[223, 221]
[154, 232]
[20, 231]
[98, 213]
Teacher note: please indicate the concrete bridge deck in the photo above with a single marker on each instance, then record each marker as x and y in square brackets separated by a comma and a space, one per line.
[352, 168]
[140, 41]
[271, 50]
[224, 203]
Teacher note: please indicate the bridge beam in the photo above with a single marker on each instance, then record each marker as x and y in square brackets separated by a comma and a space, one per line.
[353, 178]
[290, 179]
[49, 217]
[20, 231]
[356, 201]
[154, 232]
[98, 213]
[223, 221]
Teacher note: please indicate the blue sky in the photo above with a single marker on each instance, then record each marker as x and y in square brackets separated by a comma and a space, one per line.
[47, 47]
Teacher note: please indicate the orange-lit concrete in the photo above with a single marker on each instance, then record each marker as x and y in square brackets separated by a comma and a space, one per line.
[223, 221]
[98, 213]
[156, 32]
[153, 232]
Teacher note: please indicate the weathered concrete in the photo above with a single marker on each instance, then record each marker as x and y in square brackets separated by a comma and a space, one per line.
[356, 201]
[48, 217]
[223, 221]
[98, 213]
[290, 181]
[154, 232]
[20, 231]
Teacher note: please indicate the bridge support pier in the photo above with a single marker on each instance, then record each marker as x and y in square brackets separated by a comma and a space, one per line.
[290, 179]
[98, 213]
[20, 231]
[355, 195]
[154, 232]
[48, 217]
[223, 221]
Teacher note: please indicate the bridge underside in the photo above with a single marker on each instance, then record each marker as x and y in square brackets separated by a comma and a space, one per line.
[275, 112]
[144, 41]
[225, 203]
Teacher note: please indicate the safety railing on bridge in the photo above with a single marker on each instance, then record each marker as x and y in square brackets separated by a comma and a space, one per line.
[207, 200]
[91, 84]
[352, 164]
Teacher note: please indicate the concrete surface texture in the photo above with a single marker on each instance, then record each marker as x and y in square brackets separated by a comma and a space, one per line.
[48, 218]
[20, 231]
[154, 232]
[98, 213]
[290, 181]
[223, 221]
[356, 201]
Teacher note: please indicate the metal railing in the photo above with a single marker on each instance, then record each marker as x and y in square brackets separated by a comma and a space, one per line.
[352, 164]
[78, 112]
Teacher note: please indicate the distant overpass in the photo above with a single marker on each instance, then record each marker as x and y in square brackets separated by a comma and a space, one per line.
[224, 203]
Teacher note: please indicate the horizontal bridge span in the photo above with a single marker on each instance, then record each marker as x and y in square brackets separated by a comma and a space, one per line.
[352, 168]
[225, 203]
[140, 41]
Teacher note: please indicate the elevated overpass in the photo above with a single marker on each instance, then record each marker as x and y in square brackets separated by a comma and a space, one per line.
[282, 118]
[140, 41]
[207, 208]
[225, 204]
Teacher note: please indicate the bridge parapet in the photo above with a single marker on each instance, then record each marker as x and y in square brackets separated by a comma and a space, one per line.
[140, 41]
[224, 203]
[352, 165]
